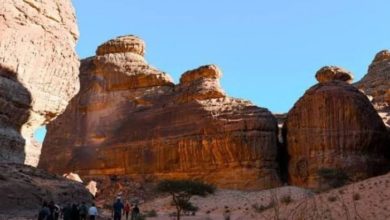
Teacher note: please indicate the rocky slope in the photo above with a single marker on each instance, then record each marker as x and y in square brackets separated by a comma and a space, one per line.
[368, 199]
[376, 84]
[24, 188]
[131, 119]
[38, 71]
[334, 126]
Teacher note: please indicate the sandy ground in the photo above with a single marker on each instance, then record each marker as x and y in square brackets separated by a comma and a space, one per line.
[365, 200]
[240, 204]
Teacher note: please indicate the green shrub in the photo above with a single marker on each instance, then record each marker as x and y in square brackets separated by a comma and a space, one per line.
[332, 178]
[182, 191]
[261, 208]
[356, 197]
[286, 199]
[332, 198]
[151, 214]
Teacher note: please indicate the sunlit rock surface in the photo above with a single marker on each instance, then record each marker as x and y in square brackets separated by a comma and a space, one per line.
[131, 119]
[38, 71]
[334, 126]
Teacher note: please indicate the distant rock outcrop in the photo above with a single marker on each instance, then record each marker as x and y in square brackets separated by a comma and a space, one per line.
[131, 119]
[38, 71]
[334, 126]
[376, 84]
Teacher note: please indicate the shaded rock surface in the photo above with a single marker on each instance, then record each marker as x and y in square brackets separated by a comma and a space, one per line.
[334, 126]
[131, 119]
[24, 188]
[376, 84]
[38, 71]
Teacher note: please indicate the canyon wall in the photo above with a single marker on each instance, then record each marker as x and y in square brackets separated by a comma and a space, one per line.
[131, 119]
[335, 127]
[38, 71]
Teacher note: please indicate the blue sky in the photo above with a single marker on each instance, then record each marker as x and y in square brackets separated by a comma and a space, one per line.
[268, 51]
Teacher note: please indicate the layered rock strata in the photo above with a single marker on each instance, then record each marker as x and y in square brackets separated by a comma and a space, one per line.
[334, 127]
[131, 119]
[376, 84]
[38, 71]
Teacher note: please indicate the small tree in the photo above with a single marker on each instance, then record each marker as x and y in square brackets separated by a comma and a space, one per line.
[332, 178]
[183, 190]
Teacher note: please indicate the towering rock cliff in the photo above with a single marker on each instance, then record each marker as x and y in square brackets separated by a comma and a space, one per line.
[376, 84]
[334, 126]
[131, 119]
[38, 71]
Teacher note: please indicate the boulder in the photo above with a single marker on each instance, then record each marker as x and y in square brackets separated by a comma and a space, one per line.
[38, 71]
[333, 126]
[332, 73]
[24, 188]
[130, 119]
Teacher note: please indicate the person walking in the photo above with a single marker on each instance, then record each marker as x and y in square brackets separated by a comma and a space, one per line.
[75, 212]
[57, 210]
[135, 213]
[127, 210]
[83, 210]
[51, 207]
[44, 212]
[67, 212]
[226, 213]
[92, 212]
[117, 209]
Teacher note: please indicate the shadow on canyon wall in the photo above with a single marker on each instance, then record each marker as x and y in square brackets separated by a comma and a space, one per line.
[15, 104]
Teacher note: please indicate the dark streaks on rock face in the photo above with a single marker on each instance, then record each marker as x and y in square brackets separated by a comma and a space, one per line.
[333, 125]
[131, 119]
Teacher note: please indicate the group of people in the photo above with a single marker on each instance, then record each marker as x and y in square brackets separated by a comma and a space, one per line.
[51, 211]
[119, 209]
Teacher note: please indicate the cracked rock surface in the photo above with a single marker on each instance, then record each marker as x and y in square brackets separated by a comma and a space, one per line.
[38, 71]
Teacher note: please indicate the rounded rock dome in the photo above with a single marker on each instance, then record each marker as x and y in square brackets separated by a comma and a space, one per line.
[123, 44]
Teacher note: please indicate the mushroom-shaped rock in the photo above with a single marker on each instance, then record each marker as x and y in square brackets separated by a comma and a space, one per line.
[331, 73]
[123, 44]
[334, 126]
[200, 84]
[122, 63]
[129, 120]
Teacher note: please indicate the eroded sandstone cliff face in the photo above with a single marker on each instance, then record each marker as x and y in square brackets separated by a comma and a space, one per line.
[334, 126]
[131, 119]
[38, 71]
[376, 84]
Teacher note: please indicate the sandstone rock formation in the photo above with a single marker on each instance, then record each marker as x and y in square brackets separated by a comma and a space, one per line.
[131, 119]
[24, 188]
[334, 126]
[376, 84]
[38, 71]
[331, 73]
